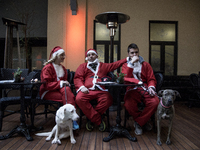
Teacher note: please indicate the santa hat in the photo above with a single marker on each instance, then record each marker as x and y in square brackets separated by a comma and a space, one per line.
[54, 52]
[90, 51]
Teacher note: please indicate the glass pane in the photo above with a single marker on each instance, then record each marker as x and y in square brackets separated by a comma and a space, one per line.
[155, 57]
[101, 52]
[15, 63]
[103, 33]
[162, 32]
[39, 56]
[169, 60]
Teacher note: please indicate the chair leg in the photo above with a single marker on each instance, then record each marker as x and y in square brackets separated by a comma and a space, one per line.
[45, 110]
[108, 121]
[1, 119]
[80, 121]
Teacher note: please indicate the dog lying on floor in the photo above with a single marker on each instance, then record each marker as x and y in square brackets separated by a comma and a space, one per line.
[166, 110]
[65, 115]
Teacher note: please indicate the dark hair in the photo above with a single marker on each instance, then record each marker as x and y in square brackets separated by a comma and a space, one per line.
[132, 45]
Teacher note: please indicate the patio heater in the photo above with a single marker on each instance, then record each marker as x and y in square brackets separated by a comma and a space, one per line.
[112, 19]
[8, 52]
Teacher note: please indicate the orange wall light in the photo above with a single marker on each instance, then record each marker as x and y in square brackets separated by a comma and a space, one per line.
[74, 40]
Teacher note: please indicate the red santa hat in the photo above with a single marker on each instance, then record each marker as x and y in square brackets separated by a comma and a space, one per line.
[54, 52]
[90, 51]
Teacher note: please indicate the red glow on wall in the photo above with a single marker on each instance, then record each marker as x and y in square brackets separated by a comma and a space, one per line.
[75, 38]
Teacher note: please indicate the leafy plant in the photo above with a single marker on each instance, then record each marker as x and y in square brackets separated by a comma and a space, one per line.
[18, 72]
[119, 77]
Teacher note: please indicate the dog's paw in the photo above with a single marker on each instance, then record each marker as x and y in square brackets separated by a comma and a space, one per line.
[159, 143]
[73, 141]
[48, 138]
[168, 142]
[56, 141]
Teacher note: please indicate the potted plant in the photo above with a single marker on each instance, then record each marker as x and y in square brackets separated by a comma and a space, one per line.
[119, 77]
[17, 75]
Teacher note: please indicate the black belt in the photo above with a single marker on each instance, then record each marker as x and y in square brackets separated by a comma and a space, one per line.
[96, 77]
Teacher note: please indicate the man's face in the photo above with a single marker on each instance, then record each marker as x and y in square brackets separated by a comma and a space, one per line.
[133, 52]
[91, 56]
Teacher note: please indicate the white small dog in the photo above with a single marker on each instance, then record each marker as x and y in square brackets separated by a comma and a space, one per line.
[65, 115]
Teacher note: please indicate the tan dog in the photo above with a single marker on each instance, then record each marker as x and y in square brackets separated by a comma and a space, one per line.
[63, 128]
[166, 110]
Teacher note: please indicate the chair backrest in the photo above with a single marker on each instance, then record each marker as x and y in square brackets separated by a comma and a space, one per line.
[31, 75]
[111, 74]
[159, 79]
[71, 77]
[7, 73]
[194, 79]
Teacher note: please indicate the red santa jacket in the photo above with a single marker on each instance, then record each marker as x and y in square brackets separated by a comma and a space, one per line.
[147, 75]
[84, 75]
[48, 75]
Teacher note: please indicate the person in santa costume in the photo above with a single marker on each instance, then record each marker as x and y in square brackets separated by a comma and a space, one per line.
[138, 71]
[54, 74]
[85, 79]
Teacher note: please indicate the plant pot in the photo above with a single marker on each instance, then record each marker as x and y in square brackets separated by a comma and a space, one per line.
[17, 78]
[120, 80]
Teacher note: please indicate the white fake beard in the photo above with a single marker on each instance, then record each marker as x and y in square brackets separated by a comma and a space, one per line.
[137, 70]
[95, 61]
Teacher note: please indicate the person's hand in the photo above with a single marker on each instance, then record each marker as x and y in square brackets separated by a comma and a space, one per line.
[134, 59]
[65, 83]
[84, 90]
[151, 91]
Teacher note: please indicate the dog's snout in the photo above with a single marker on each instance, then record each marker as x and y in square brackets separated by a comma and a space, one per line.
[169, 102]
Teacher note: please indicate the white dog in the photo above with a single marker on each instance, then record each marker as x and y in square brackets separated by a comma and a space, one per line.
[63, 128]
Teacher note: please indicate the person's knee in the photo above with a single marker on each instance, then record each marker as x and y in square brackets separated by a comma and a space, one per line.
[78, 99]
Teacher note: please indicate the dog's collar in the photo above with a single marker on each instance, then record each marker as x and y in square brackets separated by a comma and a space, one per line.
[164, 105]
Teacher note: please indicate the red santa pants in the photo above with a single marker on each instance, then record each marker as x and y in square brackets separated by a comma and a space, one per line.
[104, 100]
[59, 95]
[131, 100]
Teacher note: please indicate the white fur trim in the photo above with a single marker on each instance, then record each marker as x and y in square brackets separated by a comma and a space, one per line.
[59, 71]
[61, 83]
[92, 52]
[60, 51]
[80, 88]
[44, 94]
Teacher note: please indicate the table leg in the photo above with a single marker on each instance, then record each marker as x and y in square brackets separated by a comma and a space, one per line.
[22, 128]
[118, 129]
[18, 129]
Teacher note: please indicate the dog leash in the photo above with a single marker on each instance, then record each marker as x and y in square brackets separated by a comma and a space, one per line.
[65, 94]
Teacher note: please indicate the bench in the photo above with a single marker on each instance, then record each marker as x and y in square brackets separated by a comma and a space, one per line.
[180, 83]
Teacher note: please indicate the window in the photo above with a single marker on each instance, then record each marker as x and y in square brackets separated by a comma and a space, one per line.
[163, 46]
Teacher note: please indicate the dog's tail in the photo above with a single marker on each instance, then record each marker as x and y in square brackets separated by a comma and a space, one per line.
[43, 134]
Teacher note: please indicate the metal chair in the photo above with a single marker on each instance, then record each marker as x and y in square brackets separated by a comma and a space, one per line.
[159, 79]
[195, 93]
[14, 100]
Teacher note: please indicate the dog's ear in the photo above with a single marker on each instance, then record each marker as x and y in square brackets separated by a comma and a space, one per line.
[177, 93]
[63, 114]
[160, 92]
